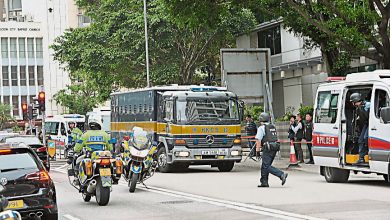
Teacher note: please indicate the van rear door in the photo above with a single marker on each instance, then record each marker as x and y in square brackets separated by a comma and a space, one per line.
[379, 138]
[327, 129]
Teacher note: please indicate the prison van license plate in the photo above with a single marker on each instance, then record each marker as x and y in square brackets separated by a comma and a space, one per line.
[105, 172]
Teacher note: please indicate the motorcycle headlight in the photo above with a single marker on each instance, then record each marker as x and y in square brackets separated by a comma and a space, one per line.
[140, 142]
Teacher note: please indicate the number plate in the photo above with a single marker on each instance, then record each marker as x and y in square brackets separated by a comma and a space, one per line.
[105, 172]
[213, 152]
[15, 204]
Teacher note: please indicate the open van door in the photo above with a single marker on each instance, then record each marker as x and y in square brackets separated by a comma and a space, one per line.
[379, 127]
[327, 129]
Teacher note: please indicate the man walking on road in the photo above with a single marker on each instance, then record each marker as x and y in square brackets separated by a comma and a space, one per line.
[309, 136]
[266, 140]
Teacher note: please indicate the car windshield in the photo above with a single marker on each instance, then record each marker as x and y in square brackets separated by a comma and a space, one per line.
[52, 127]
[207, 111]
[27, 140]
[17, 161]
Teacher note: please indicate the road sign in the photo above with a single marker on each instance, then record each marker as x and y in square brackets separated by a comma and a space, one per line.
[51, 148]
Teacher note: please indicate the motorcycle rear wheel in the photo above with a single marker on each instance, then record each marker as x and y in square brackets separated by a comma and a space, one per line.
[133, 182]
[102, 193]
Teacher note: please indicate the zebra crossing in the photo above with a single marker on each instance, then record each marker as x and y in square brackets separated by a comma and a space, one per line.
[58, 164]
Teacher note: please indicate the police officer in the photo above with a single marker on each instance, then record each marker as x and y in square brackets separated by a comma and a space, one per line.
[94, 139]
[309, 135]
[266, 139]
[362, 116]
[251, 130]
[75, 132]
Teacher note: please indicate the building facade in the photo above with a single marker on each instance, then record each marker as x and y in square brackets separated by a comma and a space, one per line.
[27, 29]
[296, 71]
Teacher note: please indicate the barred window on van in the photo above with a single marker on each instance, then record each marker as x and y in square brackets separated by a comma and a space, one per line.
[326, 109]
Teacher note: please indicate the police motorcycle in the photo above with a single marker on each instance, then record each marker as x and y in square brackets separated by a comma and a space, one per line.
[69, 147]
[7, 214]
[96, 174]
[138, 157]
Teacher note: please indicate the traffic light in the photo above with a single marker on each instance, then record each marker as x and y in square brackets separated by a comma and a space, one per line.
[32, 112]
[24, 110]
[41, 101]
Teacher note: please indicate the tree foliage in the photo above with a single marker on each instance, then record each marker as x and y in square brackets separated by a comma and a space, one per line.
[5, 115]
[342, 29]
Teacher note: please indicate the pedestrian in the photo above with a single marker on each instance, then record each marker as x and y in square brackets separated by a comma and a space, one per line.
[266, 140]
[298, 130]
[308, 131]
[291, 133]
[251, 130]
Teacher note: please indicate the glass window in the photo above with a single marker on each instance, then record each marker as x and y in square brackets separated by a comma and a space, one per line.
[270, 38]
[30, 48]
[15, 5]
[381, 100]
[24, 99]
[22, 48]
[23, 78]
[15, 105]
[4, 47]
[168, 110]
[13, 48]
[6, 100]
[17, 161]
[52, 127]
[40, 75]
[39, 48]
[31, 76]
[5, 76]
[326, 110]
[14, 75]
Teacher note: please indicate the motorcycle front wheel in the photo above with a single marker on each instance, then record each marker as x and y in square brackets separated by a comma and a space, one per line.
[102, 193]
[133, 182]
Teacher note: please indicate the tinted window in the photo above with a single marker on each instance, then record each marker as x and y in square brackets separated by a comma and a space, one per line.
[17, 161]
[326, 110]
[381, 100]
[52, 127]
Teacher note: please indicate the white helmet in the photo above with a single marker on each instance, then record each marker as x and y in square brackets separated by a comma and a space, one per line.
[94, 122]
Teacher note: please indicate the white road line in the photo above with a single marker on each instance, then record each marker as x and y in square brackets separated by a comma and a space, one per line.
[61, 167]
[229, 204]
[70, 217]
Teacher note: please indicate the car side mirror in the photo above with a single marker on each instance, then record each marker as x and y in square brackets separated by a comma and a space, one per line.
[385, 115]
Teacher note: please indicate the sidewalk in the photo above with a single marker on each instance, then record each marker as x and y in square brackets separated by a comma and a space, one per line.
[281, 164]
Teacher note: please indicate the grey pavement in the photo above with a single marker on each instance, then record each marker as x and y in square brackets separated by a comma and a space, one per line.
[205, 193]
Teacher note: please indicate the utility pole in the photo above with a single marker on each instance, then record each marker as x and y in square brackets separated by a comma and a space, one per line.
[146, 46]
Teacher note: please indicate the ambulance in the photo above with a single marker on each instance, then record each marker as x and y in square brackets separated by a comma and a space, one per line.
[57, 126]
[334, 138]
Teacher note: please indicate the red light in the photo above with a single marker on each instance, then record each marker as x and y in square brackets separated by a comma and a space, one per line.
[41, 149]
[42, 176]
[7, 151]
[126, 138]
[48, 206]
[24, 107]
[41, 96]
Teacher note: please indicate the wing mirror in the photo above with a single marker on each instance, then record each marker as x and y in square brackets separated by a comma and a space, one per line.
[385, 115]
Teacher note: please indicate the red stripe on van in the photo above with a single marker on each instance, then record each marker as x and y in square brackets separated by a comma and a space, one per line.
[378, 144]
[322, 140]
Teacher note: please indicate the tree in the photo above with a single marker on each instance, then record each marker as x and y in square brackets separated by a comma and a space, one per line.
[341, 28]
[5, 115]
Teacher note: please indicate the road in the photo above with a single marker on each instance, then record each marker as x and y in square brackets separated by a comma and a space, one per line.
[205, 193]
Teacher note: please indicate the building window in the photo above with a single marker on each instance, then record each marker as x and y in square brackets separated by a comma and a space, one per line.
[31, 77]
[23, 99]
[39, 48]
[6, 100]
[13, 48]
[5, 76]
[270, 38]
[30, 48]
[40, 75]
[15, 5]
[4, 47]
[32, 98]
[22, 48]
[23, 78]
[15, 105]
[14, 75]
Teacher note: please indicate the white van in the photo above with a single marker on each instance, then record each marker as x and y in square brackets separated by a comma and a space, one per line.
[334, 148]
[57, 127]
[102, 115]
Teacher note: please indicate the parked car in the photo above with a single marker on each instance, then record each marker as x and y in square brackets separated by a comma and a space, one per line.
[34, 143]
[28, 186]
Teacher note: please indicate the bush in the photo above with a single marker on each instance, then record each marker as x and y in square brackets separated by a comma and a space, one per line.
[289, 112]
[254, 111]
[304, 109]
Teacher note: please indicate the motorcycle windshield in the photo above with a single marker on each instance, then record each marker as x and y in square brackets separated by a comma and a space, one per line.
[96, 147]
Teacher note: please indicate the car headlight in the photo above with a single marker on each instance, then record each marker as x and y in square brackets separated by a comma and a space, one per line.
[235, 153]
[182, 154]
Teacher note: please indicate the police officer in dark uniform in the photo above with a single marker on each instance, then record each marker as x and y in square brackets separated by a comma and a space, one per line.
[362, 116]
[309, 135]
[266, 140]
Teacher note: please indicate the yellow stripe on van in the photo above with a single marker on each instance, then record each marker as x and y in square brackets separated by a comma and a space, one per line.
[161, 128]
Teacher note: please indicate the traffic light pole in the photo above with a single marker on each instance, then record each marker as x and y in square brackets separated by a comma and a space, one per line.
[43, 129]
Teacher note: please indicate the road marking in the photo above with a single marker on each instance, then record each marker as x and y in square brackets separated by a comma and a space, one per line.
[229, 204]
[61, 167]
[70, 217]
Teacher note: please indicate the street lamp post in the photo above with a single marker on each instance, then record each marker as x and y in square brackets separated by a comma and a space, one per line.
[146, 46]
